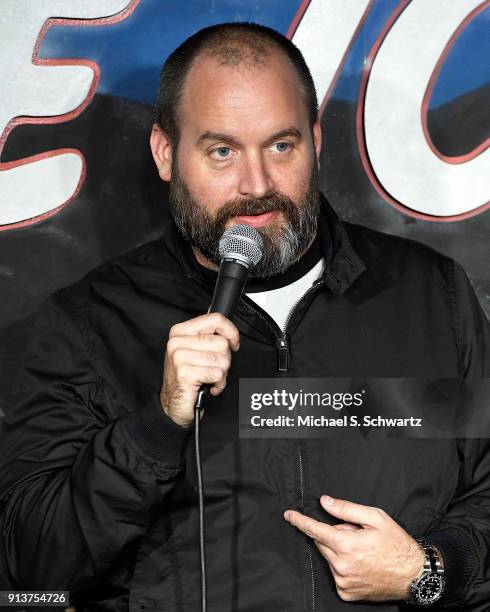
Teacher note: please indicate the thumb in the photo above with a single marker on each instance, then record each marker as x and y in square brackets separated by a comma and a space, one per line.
[351, 512]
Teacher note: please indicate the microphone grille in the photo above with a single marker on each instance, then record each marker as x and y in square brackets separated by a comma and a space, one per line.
[242, 242]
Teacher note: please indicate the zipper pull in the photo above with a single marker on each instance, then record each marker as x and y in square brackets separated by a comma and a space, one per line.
[283, 355]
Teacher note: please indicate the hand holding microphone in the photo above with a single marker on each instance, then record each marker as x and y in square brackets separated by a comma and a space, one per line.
[198, 353]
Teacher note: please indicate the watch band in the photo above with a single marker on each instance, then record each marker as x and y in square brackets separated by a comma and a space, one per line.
[432, 571]
[432, 557]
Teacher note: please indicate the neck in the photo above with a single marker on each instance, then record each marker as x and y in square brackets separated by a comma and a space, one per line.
[204, 261]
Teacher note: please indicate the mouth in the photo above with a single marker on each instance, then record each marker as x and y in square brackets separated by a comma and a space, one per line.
[257, 219]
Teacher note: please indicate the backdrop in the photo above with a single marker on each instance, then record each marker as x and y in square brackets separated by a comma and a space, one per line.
[405, 91]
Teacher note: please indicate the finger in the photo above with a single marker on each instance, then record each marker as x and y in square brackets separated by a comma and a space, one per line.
[218, 386]
[212, 343]
[342, 580]
[338, 577]
[347, 526]
[210, 323]
[323, 533]
[328, 553]
[352, 512]
[201, 358]
[190, 376]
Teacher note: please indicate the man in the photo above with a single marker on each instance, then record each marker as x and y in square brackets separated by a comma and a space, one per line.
[98, 484]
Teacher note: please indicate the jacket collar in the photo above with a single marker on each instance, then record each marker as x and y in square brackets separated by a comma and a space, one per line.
[342, 264]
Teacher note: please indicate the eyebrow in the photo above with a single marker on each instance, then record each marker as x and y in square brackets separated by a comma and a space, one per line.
[218, 136]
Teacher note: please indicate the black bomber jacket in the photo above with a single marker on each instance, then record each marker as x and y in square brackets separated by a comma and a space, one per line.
[98, 485]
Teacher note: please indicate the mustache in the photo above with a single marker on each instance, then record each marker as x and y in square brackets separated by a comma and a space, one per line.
[250, 206]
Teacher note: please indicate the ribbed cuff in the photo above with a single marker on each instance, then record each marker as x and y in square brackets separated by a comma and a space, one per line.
[156, 434]
[459, 561]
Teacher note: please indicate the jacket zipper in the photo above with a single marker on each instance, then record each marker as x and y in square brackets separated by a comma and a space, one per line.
[308, 546]
[281, 337]
[283, 367]
[300, 458]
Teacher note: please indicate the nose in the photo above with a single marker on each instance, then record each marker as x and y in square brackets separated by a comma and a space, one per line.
[255, 180]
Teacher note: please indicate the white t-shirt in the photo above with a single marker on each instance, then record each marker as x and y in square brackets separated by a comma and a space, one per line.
[279, 302]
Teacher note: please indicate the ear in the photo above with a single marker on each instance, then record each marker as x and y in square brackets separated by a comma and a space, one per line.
[317, 140]
[161, 148]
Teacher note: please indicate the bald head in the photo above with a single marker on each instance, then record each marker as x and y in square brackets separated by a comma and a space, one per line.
[239, 47]
[233, 45]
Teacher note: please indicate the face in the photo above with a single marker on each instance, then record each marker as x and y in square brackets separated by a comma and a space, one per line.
[245, 147]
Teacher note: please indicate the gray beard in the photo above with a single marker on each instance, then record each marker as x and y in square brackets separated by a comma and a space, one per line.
[281, 246]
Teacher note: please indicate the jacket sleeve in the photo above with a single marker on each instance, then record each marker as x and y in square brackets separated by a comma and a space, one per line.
[77, 489]
[463, 533]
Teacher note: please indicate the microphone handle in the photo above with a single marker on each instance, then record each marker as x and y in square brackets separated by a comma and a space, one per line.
[231, 281]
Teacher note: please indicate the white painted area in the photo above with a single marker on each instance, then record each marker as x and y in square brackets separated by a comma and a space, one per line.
[54, 179]
[398, 151]
[40, 91]
[400, 156]
[323, 37]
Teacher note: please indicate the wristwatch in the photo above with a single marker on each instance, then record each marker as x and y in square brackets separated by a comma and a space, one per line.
[429, 586]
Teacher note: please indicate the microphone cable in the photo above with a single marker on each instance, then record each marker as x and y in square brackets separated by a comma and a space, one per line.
[240, 248]
[200, 491]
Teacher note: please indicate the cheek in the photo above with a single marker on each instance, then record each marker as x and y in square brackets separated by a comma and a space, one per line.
[207, 185]
[213, 193]
[219, 186]
[292, 181]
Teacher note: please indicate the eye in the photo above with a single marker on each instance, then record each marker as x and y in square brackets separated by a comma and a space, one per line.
[282, 147]
[221, 153]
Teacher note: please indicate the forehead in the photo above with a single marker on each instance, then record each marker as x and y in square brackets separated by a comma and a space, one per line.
[243, 99]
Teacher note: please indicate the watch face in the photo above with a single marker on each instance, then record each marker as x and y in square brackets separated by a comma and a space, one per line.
[430, 588]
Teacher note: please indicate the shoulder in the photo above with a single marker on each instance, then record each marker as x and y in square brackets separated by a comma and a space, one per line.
[120, 271]
[399, 256]
[364, 238]
[69, 308]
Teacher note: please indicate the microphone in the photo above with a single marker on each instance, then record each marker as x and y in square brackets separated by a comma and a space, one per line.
[240, 249]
